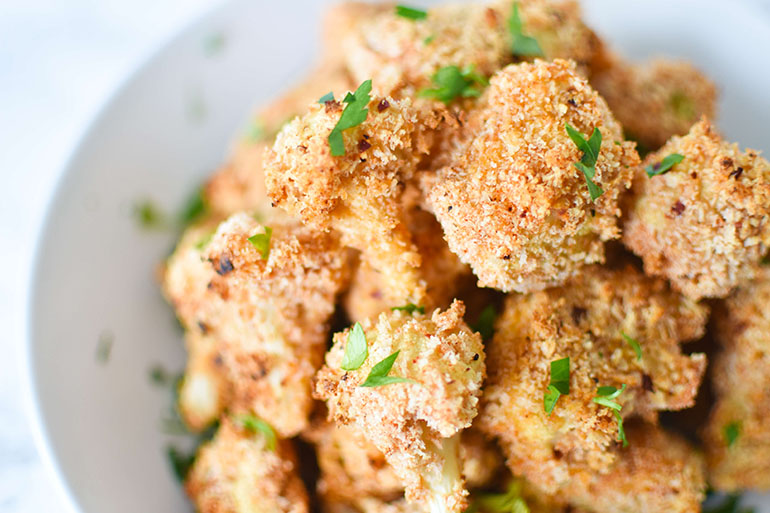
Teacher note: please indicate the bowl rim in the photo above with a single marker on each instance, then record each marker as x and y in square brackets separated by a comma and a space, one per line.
[26, 352]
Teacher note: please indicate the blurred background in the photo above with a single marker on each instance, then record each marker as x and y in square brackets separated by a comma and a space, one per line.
[59, 62]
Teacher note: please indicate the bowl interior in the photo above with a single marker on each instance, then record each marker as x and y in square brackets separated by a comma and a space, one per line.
[161, 134]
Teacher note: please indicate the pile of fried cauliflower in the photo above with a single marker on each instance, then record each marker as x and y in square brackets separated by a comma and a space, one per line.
[442, 264]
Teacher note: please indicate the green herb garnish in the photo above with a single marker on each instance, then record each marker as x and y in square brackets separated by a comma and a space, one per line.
[256, 425]
[682, 105]
[378, 376]
[587, 164]
[354, 114]
[452, 82]
[509, 502]
[328, 97]
[634, 345]
[605, 396]
[356, 350]
[485, 324]
[559, 384]
[214, 44]
[730, 504]
[104, 347]
[664, 166]
[261, 241]
[195, 208]
[410, 12]
[255, 131]
[409, 308]
[428, 40]
[731, 431]
[522, 45]
[181, 461]
[149, 216]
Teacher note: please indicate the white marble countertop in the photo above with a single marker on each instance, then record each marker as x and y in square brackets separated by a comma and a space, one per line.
[59, 61]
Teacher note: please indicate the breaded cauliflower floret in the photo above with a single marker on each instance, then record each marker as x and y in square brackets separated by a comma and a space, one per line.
[205, 390]
[237, 472]
[656, 100]
[357, 193]
[239, 184]
[268, 318]
[401, 55]
[415, 424]
[443, 272]
[513, 205]
[352, 467]
[742, 385]
[705, 224]
[658, 471]
[585, 320]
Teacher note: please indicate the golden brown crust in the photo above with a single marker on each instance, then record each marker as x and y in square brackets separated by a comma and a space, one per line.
[656, 100]
[584, 320]
[239, 184]
[237, 473]
[513, 205]
[742, 386]
[705, 224]
[409, 422]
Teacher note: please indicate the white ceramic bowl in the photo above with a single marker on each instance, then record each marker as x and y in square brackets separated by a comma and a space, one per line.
[98, 425]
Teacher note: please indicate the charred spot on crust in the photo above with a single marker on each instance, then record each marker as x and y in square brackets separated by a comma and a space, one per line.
[363, 144]
[223, 266]
[578, 314]
[678, 208]
[737, 173]
[647, 383]
[727, 162]
[572, 102]
[475, 357]
[384, 104]
[203, 327]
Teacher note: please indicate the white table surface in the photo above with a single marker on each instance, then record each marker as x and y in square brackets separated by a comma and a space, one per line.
[59, 61]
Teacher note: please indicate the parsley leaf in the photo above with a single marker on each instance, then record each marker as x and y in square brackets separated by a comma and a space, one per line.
[606, 394]
[634, 344]
[410, 12]
[354, 114]
[356, 350]
[195, 208]
[255, 131]
[409, 308]
[256, 425]
[522, 45]
[664, 166]
[485, 324]
[378, 376]
[587, 164]
[730, 504]
[509, 502]
[452, 82]
[261, 241]
[149, 216]
[559, 384]
[428, 40]
[731, 432]
[181, 462]
[328, 97]
[104, 347]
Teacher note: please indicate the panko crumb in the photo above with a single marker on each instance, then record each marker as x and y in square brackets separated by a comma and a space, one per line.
[705, 224]
[239, 184]
[513, 205]
[656, 100]
[413, 424]
[585, 320]
[357, 194]
[267, 318]
[742, 386]
[238, 473]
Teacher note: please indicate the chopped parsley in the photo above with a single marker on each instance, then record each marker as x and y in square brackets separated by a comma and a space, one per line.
[731, 432]
[634, 345]
[509, 502]
[605, 397]
[410, 13]
[409, 308]
[255, 131]
[485, 324]
[214, 44]
[729, 504]
[328, 97]
[765, 260]
[378, 376]
[256, 425]
[104, 347]
[664, 166]
[354, 114]
[682, 105]
[559, 384]
[452, 82]
[522, 45]
[587, 164]
[261, 241]
[356, 350]
[149, 216]
[181, 461]
[428, 40]
[195, 208]
[159, 376]
[204, 241]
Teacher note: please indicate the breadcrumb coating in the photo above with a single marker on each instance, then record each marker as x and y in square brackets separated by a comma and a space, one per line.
[658, 471]
[585, 320]
[414, 424]
[239, 184]
[401, 55]
[358, 193]
[269, 318]
[238, 473]
[352, 467]
[513, 205]
[656, 100]
[205, 390]
[742, 386]
[705, 224]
